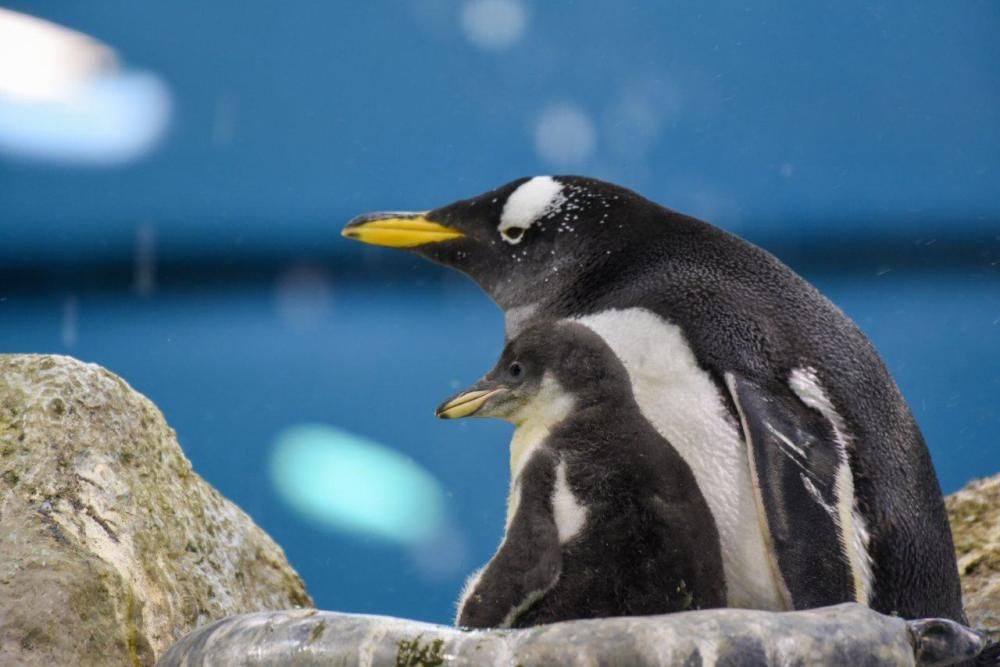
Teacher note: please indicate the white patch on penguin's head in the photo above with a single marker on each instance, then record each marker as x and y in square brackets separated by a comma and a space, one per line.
[530, 202]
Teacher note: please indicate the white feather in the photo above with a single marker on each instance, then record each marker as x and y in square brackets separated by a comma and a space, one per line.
[785, 440]
[530, 599]
[854, 537]
[531, 201]
[681, 401]
[570, 515]
[549, 406]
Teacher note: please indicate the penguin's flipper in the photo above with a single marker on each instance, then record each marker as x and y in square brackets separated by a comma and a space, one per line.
[529, 561]
[798, 463]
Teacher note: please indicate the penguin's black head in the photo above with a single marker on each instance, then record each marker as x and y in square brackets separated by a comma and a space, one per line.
[546, 368]
[522, 241]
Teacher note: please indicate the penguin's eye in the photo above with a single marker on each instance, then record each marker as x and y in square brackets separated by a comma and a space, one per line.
[515, 371]
[513, 233]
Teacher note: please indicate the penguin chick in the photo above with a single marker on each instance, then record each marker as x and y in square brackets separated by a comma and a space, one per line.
[604, 516]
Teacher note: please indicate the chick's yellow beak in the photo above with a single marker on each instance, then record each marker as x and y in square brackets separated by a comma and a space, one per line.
[398, 230]
[467, 403]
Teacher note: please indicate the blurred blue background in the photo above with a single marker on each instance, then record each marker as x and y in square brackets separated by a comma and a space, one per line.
[176, 218]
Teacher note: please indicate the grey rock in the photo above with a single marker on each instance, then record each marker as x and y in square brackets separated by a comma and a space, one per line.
[112, 547]
[847, 634]
[975, 523]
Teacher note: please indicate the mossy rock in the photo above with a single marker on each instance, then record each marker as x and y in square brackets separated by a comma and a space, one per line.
[975, 524]
[112, 546]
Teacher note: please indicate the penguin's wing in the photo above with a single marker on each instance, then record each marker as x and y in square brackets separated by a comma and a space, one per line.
[798, 463]
[529, 560]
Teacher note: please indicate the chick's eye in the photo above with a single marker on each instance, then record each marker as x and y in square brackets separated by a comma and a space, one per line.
[515, 370]
[514, 233]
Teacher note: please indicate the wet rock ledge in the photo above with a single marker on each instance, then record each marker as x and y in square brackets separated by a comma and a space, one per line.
[116, 553]
[848, 634]
[112, 548]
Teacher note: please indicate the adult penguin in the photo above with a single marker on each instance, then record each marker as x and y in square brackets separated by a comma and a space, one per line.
[816, 473]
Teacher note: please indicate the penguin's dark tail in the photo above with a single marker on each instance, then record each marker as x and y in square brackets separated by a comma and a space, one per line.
[989, 656]
[938, 642]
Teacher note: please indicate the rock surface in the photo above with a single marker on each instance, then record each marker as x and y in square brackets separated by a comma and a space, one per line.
[975, 522]
[848, 634]
[112, 547]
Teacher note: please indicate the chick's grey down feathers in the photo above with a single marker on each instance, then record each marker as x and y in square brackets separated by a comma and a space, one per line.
[648, 544]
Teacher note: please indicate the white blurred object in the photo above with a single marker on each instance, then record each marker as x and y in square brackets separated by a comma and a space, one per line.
[40, 60]
[70, 320]
[637, 116]
[144, 273]
[565, 135]
[303, 296]
[64, 97]
[348, 483]
[493, 24]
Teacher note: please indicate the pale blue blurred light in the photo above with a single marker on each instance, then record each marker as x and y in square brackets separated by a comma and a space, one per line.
[350, 483]
[112, 119]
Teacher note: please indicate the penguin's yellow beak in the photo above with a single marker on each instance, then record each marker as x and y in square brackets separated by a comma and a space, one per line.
[398, 230]
[467, 403]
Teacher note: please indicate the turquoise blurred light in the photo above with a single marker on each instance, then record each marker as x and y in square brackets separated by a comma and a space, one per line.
[352, 484]
[110, 120]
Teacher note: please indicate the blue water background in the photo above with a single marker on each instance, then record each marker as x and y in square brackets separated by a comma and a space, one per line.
[859, 141]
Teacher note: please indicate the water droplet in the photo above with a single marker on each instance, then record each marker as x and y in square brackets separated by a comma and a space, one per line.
[70, 320]
[494, 24]
[565, 135]
[303, 296]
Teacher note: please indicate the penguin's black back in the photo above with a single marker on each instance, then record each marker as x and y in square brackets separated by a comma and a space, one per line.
[742, 309]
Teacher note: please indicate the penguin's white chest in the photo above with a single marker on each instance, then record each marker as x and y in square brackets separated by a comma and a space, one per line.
[682, 403]
[551, 405]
